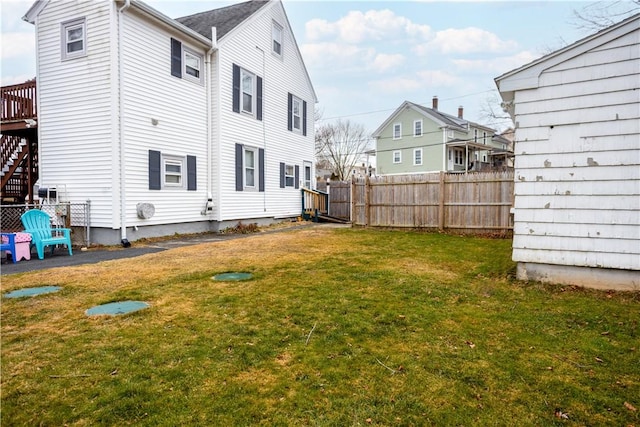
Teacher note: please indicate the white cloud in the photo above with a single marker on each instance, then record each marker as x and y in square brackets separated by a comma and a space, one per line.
[466, 40]
[336, 55]
[418, 82]
[387, 62]
[373, 25]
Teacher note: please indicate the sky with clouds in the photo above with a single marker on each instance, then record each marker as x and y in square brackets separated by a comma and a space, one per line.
[366, 57]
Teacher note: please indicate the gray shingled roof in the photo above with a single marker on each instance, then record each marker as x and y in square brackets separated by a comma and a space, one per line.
[224, 19]
[444, 117]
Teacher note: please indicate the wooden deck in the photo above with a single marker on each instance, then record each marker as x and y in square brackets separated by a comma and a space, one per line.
[19, 142]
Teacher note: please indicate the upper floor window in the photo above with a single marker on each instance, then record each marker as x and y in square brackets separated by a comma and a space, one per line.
[186, 63]
[484, 137]
[247, 92]
[276, 35]
[74, 38]
[475, 135]
[417, 128]
[297, 115]
[397, 130]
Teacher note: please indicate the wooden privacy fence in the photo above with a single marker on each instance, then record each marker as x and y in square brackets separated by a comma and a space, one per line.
[475, 203]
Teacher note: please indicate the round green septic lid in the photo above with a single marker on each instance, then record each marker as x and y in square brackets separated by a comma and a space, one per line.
[32, 292]
[116, 308]
[229, 277]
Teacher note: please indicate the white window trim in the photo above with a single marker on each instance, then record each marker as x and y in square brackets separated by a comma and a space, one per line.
[64, 33]
[415, 122]
[244, 73]
[175, 160]
[289, 179]
[393, 130]
[200, 58]
[399, 157]
[416, 151]
[277, 27]
[255, 167]
[294, 100]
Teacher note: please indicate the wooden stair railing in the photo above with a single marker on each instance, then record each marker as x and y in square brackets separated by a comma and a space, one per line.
[314, 204]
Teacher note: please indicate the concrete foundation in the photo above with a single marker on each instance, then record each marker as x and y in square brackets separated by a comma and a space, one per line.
[110, 237]
[588, 277]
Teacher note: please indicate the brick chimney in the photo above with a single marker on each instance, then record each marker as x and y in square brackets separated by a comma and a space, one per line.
[460, 111]
[435, 103]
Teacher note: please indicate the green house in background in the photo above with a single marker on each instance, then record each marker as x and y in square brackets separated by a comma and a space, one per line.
[417, 139]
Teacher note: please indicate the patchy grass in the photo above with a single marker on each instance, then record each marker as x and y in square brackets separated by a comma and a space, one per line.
[337, 327]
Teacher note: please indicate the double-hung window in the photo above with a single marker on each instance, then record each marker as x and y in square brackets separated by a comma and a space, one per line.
[289, 177]
[417, 128]
[307, 175]
[417, 157]
[173, 168]
[192, 66]
[397, 130]
[276, 35]
[458, 156]
[247, 92]
[74, 38]
[297, 115]
[172, 171]
[397, 156]
[249, 167]
[247, 88]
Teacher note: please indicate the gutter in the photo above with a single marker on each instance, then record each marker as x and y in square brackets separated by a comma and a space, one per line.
[123, 197]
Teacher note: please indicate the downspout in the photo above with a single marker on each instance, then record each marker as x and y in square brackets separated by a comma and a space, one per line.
[123, 198]
[208, 88]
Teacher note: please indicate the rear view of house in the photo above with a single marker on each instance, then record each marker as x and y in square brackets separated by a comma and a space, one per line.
[172, 125]
[577, 169]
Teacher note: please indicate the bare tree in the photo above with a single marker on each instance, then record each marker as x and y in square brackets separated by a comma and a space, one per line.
[602, 14]
[340, 146]
[493, 114]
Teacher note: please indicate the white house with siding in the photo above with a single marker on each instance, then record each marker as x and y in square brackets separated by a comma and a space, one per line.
[172, 125]
[577, 166]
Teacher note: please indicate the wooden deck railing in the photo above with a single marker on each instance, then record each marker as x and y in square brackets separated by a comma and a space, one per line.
[18, 101]
[314, 203]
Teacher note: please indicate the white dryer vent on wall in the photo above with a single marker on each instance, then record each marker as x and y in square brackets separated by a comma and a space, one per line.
[145, 210]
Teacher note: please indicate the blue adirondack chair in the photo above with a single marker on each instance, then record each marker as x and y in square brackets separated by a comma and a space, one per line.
[38, 224]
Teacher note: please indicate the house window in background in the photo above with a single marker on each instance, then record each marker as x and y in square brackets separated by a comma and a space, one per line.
[397, 156]
[417, 128]
[417, 157]
[397, 130]
[74, 38]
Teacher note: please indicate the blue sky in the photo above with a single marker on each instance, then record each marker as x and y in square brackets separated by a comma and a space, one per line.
[366, 57]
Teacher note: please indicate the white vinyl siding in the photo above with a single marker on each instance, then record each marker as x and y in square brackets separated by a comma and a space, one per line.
[153, 122]
[578, 160]
[281, 76]
[76, 140]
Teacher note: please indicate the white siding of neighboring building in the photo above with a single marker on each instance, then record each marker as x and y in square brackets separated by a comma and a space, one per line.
[577, 191]
[178, 109]
[244, 47]
[76, 142]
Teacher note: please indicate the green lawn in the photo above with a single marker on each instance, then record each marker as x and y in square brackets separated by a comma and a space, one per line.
[337, 327]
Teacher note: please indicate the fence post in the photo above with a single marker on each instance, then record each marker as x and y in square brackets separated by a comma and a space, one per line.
[367, 201]
[441, 203]
[352, 215]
